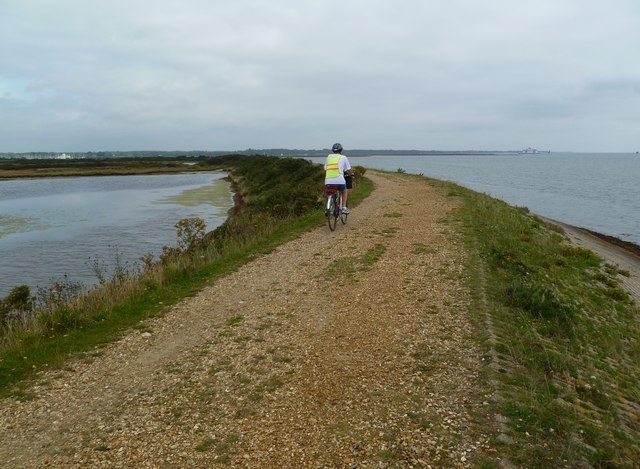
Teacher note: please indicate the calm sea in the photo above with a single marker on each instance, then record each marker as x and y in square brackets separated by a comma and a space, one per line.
[50, 228]
[592, 190]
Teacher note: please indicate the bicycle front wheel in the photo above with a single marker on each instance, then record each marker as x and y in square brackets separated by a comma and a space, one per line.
[332, 217]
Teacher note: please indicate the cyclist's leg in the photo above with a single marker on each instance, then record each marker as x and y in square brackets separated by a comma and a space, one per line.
[344, 211]
[343, 198]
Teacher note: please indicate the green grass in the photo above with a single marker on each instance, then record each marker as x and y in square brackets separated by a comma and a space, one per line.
[235, 320]
[350, 265]
[389, 232]
[205, 445]
[107, 313]
[420, 248]
[393, 215]
[567, 335]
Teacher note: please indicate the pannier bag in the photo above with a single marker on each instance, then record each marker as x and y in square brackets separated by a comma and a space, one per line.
[349, 181]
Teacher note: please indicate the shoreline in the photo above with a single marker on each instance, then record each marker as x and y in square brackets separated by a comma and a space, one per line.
[628, 246]
[624, 254]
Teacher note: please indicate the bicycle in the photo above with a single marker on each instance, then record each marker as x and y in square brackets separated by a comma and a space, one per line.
[332, 207]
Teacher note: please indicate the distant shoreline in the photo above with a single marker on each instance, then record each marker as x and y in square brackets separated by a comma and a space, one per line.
[32, 169]
[109, 172]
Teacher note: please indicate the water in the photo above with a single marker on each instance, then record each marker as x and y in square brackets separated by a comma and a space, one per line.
[593, 190]
[54, 227]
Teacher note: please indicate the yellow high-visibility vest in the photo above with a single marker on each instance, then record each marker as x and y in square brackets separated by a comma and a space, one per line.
[333, 170]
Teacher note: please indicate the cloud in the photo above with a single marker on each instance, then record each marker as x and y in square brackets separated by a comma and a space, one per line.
[230, 75]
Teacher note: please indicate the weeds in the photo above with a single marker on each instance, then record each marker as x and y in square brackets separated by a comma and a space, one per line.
[122, 270]
[538, 300]
[191, 233]
[389, 232]
[205, 445]
[350, 265]
[393, 215]
[235, 320]
[420, 248]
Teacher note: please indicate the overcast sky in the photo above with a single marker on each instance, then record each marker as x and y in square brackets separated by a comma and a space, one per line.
[81, 75]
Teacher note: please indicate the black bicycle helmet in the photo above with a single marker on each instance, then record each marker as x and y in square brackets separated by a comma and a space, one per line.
[336, 148]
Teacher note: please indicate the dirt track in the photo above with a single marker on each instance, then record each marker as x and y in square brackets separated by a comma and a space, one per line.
[284, 364]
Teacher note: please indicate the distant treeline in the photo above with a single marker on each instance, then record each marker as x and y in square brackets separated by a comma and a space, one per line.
[249, 151]
[101, 162]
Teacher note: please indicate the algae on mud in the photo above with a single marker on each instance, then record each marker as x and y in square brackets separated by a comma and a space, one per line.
[217, 195]
[11, 224]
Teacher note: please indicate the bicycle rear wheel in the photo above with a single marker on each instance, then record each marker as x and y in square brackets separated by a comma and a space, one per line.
[332, 216]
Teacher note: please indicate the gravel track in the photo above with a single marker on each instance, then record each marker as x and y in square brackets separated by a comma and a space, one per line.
[285, 364]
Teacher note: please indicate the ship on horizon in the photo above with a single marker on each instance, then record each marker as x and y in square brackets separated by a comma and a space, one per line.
[532, 151]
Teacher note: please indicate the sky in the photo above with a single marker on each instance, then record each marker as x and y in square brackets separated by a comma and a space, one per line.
[89, 75]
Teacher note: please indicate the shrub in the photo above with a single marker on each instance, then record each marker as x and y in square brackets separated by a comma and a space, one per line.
[18, 299]
[58, 294]
[538, 300]
[64, 318]
[191, 232]
[581, 254]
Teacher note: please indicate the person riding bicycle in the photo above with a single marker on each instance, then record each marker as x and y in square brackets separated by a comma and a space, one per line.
[337, 164]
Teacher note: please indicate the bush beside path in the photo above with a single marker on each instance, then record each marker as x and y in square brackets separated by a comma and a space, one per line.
[336, 349]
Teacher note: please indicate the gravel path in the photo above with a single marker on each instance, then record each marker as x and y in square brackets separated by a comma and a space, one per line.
[285, 363]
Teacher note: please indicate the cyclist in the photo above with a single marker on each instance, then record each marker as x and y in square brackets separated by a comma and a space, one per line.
[337, 164]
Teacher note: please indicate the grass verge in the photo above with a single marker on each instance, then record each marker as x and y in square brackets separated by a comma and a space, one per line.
[563, 334]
